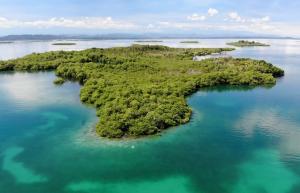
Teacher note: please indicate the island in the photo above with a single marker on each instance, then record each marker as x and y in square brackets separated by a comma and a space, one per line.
[148, 41]
[189, 42]
[64, 44]
[6, 42]
[141, 90]
[243, 43]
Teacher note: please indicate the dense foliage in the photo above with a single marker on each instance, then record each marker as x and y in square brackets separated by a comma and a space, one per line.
[141, 90]
[59, 81]
[243, 43]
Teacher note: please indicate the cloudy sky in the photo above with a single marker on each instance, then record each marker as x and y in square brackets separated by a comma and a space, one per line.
[276, 17]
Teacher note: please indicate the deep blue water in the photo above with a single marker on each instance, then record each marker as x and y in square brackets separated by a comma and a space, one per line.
[240, 140]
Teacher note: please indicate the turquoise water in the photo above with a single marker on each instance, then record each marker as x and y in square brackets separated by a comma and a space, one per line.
[240, 140]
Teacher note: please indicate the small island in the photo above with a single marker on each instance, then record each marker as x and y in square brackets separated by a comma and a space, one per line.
[142, 89]
[6, 42]
[148, 41]
[64, 44]
[243, 43]
[189, 42]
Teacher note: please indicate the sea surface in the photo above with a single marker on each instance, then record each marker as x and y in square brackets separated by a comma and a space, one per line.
[239, 140]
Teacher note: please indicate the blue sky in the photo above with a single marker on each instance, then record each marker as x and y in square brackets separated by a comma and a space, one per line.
[278, 17]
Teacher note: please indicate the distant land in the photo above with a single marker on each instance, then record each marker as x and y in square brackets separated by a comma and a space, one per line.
[64, 44]
[148, 41]
[189, 42]
[2, 42]
[43, 37]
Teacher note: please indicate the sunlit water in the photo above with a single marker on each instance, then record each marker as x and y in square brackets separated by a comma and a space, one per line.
[239, 140]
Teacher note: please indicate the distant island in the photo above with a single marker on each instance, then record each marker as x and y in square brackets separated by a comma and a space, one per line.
[64, 44]
[244, 43]
[148, 41]
[141, 90]
[189, 42]
[6, 42]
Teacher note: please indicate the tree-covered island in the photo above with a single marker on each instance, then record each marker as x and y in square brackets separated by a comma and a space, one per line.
[189, 42]
[148, 41]
[141, 90]
[64, 44]
[244, 43]
[6, 42]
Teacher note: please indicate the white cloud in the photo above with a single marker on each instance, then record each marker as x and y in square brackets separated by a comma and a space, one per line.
[86, 22]
[259, 20]
[196, 17]
[164, 23]
[231, 22]
[251, 24]
[150, 26]
[256, 27]
[235, 17]
[212, 12]
[267, 18]
[5, 23]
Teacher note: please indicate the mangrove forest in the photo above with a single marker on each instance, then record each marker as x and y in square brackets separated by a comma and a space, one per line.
[141, 90]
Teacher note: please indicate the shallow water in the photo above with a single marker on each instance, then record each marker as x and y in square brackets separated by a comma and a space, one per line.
[239, 140]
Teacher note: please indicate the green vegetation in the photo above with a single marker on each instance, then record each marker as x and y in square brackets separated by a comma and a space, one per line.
[148, 41]
[141, 90]
[59, 81]
[189, 42]
[64, 44]
[243, 43]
